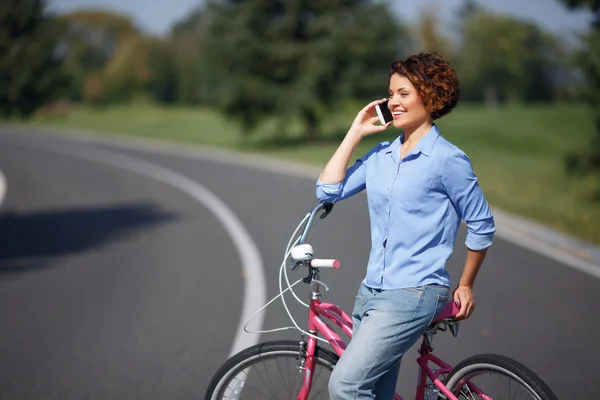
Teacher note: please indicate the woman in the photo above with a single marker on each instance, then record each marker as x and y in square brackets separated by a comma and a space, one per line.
[419, 188]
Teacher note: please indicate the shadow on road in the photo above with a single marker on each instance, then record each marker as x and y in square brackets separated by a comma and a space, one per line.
[27, 239]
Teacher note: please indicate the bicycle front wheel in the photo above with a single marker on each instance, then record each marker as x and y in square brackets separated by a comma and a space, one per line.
[270, 371]
[492, 376]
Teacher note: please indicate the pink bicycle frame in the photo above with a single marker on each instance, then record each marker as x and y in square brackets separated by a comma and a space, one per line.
[319, 312]
[336, 315]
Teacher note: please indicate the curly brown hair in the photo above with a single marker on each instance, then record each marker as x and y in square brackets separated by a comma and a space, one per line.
[433, 78]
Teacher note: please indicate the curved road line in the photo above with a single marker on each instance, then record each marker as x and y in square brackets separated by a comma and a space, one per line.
[531, 243]
[506, 229]
[2, 187]
[254, 286]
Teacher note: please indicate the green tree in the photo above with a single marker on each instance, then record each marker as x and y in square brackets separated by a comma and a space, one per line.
[297, 59]
[186, 55]
[588, 160]
[505, 59]
[90, 39]
[189, 68]
[30, 69]
[190, 23]
[428, 34]
[130, 70]
[162, 82]
[592, 5]
[467, 9]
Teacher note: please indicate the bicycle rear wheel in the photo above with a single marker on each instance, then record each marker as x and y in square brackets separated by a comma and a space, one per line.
[497, 377]
[269, 371]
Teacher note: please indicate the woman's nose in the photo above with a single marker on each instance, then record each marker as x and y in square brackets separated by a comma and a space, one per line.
[393, 103]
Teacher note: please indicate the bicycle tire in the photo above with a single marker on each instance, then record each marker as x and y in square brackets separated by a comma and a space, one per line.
[257, 353]
[498, 363]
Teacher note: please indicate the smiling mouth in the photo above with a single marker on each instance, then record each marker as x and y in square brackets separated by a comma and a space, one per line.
[398, 114]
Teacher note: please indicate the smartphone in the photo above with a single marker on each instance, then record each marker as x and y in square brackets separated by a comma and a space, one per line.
[385, 115]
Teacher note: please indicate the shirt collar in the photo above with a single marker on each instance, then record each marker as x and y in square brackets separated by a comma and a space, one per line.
[424, 146]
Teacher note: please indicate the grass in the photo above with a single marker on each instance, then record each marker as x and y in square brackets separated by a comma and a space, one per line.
[516, 152]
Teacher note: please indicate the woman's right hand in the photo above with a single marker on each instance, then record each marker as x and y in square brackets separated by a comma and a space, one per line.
[364, 123]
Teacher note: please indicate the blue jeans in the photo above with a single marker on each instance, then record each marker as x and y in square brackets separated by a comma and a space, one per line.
[387, 323]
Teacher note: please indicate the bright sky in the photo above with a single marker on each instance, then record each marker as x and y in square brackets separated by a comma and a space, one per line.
[157, 16]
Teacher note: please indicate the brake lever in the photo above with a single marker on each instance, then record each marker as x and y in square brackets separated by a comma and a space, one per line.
[311, 274]
[318, 282]
[328, 207]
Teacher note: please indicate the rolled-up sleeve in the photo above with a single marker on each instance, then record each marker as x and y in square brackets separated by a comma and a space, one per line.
[353, 183]
[462, 187]
[327, 192]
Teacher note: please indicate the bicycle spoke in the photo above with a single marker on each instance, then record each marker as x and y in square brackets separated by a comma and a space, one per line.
[516, 391]
[291, 379]
[323, 388]
[282, 377]
[247, 386]
[295, 387]
[263, 395]
[259, 375]
[269, 385]
[275, 377]
[493, 385]
[319, 373]
[472, 395]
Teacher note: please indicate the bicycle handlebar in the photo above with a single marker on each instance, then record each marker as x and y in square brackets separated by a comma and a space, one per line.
[321, 263]
[327, 206]
[302, 253]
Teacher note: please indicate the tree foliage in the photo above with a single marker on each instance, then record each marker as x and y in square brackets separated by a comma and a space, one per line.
[189, 63]
[30, 68]
[297, 59]
[587, 160]
[506, 59]
[190, 23]
[592, 5]
[90, 40]
[428, 35]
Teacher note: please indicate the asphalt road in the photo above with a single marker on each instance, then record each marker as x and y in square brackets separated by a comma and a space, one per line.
[116, 285]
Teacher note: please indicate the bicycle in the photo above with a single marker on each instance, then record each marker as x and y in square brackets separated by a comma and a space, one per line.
[460, 382]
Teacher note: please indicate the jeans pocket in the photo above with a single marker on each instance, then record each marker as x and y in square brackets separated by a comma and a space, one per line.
[359, 305]
[416, 289]
[444, 298]
[442, 301]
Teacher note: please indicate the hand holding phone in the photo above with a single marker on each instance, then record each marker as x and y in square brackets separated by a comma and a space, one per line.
[364, 123]
[384, 113]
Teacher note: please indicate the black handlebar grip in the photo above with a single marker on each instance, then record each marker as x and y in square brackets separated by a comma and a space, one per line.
[328, 207]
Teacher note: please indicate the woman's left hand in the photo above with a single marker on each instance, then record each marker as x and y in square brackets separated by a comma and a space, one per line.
[463, 295]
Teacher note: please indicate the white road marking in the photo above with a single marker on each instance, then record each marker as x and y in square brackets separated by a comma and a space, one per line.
[530, 243]
[506, 229]
[3, 187]
[253, 270]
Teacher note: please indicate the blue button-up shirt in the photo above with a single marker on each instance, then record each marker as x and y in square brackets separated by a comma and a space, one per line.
[415, 205]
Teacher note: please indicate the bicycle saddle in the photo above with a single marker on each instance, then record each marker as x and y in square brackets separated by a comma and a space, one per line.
[449, 312]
